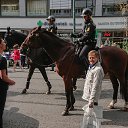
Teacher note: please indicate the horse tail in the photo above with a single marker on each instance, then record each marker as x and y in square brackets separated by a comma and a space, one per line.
[126, 73]
[124, 88]
[126, 78]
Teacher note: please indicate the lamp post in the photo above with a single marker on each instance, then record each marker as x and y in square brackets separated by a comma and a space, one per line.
[86, 4]
[74, 21]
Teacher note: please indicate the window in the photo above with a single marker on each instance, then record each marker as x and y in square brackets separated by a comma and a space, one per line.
[10, 7]
[114, 7]
[36, 7]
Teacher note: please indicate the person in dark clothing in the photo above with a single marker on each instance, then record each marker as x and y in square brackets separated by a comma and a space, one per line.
[23, 53]
[52, 28]
[5, 81]
[51, 24]
[87, 36]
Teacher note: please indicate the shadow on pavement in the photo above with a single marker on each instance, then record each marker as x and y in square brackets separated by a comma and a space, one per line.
[13, 119]
[12, 93]
[115, 117]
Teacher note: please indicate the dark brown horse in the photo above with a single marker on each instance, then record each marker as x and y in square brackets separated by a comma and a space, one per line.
[114, 62]
[39, 58]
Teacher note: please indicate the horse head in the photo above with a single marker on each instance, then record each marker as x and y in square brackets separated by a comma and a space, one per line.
[33, 37]
[13, 37]
[41, 38]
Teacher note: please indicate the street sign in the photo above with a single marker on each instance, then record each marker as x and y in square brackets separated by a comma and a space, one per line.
[39, 23]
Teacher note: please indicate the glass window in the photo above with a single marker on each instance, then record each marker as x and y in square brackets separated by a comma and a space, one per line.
[60, 4]
[114, 7]
[91, 4]
[10, 7]
[36, 7]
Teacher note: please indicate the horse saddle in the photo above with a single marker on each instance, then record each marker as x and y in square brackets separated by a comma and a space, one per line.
[78, 49]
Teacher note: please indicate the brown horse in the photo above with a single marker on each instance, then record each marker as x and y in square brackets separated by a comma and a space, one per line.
[114, 62]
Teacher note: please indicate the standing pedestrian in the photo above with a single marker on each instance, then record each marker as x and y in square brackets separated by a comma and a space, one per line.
[23, 53]
[107, 42]
[92, 91]
[16, 57]
[5, 81]
[93, 80]
[52, 28]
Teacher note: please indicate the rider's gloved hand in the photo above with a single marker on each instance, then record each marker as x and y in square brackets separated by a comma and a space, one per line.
[76, 42]
[80, 43]
[73, 35]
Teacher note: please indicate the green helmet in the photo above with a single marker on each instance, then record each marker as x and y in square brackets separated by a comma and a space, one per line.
[86, 11]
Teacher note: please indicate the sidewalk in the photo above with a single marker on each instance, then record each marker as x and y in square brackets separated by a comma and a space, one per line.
[38, 110]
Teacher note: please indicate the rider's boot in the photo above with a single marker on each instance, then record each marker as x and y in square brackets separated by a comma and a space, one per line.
[86, 65]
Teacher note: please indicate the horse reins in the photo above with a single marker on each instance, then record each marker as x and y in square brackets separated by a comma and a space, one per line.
[34, 60]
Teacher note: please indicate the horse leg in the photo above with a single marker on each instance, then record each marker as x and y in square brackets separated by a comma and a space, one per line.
[31, 70]
[74, 83]
[115, 85]
[43, 72]
[124, 90]
[72, 100]
[69, 95]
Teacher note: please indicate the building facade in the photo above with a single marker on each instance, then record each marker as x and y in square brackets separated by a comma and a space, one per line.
[110, 16]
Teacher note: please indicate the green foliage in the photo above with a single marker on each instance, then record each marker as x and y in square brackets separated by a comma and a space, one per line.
[125, 45]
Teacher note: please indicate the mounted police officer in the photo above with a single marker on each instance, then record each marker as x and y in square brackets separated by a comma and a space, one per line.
[51, 24]
[52, 28]
[87, 36]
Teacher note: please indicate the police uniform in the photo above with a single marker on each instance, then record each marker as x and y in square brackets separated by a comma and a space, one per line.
[52, 28]
[86, 37]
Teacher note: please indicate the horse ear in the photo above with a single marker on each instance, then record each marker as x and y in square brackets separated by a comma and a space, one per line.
[8, 29]
[39, 28]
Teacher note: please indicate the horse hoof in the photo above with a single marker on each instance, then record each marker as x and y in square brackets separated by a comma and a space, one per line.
[24, 91]
[65, 113]
[71, 108]
[48, 92]
[110, 107]
[125, 109]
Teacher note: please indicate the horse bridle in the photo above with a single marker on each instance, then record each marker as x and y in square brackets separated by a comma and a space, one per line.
[35, 59]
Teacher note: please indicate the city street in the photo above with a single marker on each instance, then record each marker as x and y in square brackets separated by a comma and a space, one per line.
[38, 110]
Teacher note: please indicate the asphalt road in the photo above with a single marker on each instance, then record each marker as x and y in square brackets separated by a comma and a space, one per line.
[38, 110]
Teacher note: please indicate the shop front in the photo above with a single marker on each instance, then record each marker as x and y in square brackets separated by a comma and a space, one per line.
[114, 28]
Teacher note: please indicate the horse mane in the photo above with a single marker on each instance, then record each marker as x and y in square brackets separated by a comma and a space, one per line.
[55, 37]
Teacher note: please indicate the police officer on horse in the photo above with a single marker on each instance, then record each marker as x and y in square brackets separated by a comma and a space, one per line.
[52, 28]
[51, 24]
[87, 36]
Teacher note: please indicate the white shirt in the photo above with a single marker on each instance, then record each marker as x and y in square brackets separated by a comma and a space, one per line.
[93, 82]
